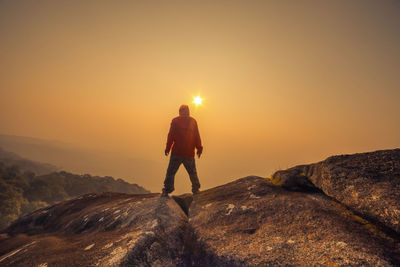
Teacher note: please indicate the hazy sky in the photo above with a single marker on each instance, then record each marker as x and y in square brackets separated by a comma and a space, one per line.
[283, 82]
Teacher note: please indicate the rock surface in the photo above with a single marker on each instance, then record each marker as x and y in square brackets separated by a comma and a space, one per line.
[368, 183]
[304, 216]
[251, 222]
[108, 229]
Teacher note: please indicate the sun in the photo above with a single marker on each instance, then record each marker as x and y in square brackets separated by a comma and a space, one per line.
[197, 100]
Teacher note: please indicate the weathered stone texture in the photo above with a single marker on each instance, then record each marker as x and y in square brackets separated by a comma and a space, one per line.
[252, 222]
[108, 229]
[368, 183]
[343, 211]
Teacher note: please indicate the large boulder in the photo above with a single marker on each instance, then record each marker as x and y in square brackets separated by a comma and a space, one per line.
[249, 222]
[109, 229]
[368, 183]
[252, 222]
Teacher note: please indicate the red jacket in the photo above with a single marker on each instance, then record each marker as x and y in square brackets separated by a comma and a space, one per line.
[184, 137]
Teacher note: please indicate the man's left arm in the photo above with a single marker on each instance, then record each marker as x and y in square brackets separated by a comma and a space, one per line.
[199, 146]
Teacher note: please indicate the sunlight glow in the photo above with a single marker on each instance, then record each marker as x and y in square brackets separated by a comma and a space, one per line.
[198, 100]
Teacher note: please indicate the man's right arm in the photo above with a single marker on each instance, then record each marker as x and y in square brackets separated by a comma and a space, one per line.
[170, 139]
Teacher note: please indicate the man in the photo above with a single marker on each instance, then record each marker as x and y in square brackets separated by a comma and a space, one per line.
[183, 137]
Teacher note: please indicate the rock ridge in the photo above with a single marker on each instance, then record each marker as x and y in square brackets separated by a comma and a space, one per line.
[298, 217]
[367, 183]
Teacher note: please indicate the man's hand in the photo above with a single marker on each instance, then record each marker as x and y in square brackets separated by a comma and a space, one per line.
[166, 153]
[198, 154]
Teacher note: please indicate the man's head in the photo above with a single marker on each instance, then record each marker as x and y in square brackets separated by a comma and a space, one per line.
[184, 110]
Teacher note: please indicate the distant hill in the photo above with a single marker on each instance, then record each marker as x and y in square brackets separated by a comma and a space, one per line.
[10, 158]
[76, 159]
[27, 185]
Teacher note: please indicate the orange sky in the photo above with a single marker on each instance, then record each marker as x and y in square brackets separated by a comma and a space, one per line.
[283, 82]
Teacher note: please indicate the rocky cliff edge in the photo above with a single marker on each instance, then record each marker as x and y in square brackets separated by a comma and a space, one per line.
[338, 212]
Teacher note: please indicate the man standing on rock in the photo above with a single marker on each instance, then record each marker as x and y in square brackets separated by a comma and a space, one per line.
[183, 137]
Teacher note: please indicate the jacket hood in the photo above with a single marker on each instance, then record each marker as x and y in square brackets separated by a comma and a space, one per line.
[184, 110]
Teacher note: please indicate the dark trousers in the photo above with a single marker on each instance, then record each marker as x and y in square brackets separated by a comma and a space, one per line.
[190, 166]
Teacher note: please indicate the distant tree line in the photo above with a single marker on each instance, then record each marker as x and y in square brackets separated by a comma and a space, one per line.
[23, 191]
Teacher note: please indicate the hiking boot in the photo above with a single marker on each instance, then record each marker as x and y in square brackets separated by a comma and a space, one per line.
[164, 193]
[195, 192]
